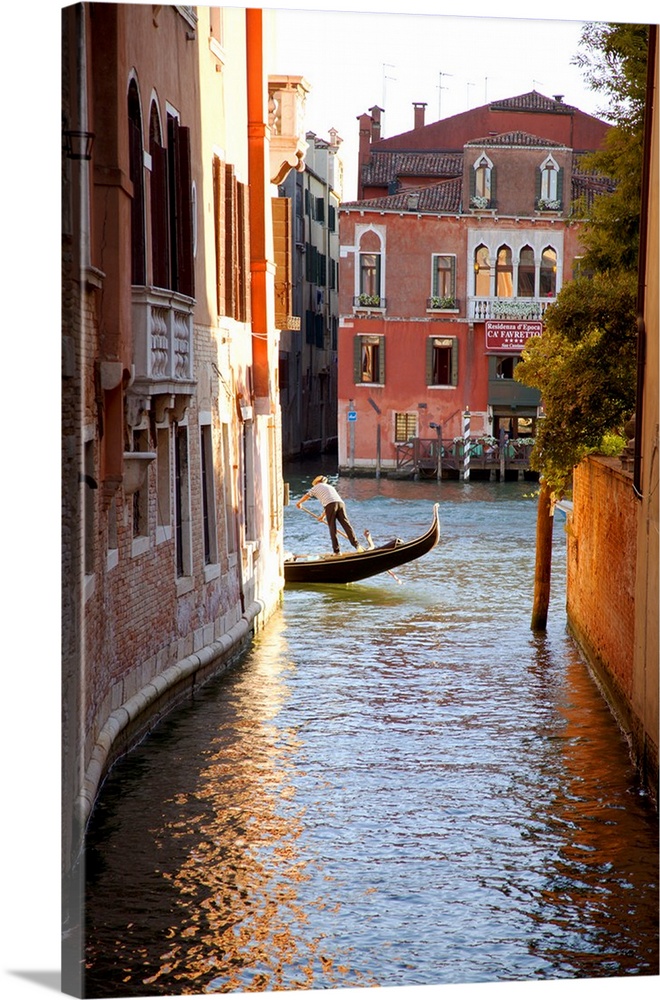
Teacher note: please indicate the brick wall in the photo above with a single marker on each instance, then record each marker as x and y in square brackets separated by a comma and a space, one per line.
[601, 558]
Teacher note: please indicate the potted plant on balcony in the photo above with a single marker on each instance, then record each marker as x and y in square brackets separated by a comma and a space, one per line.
[442, 302]
[368, 300]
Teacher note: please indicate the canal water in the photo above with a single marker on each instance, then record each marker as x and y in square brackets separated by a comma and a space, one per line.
[400, 784]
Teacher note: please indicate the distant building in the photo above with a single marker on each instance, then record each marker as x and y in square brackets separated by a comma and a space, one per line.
[462, 234]
[308, 348]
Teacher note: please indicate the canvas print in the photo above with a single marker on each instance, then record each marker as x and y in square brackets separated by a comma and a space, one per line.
[360, 507]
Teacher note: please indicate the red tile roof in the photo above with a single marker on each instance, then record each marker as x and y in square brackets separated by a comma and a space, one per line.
[444, 197]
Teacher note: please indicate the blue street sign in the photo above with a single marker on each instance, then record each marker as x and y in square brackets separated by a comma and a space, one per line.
[352, 415]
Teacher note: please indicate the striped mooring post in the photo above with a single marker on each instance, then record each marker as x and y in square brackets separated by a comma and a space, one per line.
[466, 444]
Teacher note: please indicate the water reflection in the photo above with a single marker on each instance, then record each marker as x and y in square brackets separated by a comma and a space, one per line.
[400, 785]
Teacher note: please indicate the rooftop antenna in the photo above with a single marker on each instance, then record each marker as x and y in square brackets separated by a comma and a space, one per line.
[440, 89]
[534, 82]
[386, 66]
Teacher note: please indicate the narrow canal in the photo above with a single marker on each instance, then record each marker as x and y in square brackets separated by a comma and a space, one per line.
[399, 785]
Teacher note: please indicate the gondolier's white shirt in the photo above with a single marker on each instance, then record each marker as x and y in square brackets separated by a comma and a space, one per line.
[325, 494]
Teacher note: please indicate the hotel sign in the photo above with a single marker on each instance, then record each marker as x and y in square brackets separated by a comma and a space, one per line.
[510, 335]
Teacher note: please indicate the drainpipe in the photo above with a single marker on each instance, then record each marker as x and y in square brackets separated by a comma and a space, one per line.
[641, 265]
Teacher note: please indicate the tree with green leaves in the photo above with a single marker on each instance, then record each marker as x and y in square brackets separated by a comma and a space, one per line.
[584, 364]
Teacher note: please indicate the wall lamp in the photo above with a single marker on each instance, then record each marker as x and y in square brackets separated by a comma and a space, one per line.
[78, 145]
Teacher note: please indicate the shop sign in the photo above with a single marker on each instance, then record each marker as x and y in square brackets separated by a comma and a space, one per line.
[510, 335]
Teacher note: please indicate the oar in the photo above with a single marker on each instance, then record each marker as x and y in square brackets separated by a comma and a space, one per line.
[321, 517]
[370, 543]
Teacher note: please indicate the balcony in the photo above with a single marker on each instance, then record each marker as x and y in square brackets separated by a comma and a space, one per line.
[508, 392]
[480, 309]
[162, 341]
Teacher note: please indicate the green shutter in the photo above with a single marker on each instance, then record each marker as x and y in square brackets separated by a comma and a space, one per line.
[473, 182]
[493, 187]
[454, 362]
[429, 360]
[357, 360]
[381, 360]
[539, 179]
[453, 277]
[560, 187]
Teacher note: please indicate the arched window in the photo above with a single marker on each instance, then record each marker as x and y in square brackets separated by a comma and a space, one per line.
[549, 185]
[548, 276]
[136, 173]
[160, 240]
[526, 273]
[504, 273]
[481, 271]
[370, 277]
[482, 179]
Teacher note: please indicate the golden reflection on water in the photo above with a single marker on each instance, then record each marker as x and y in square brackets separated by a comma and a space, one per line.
[239, 916]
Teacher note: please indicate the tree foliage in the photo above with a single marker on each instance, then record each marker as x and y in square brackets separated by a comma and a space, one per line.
[584, 363]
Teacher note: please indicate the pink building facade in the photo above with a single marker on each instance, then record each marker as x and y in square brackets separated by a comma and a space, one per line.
[448, 261]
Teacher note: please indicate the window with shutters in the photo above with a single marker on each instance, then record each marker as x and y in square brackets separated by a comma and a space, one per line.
[482, 183]
[160, 244]
[209, 529]
[405, 427]
[443, 282]
[179, 190]
[182, 513]
[370, 278]
[172, 229]
[441, 361]
[549, 184]
[232, 252]
[369, 359]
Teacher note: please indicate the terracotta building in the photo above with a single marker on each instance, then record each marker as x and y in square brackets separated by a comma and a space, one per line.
[462, 234]
[172, 491]
[308, 345]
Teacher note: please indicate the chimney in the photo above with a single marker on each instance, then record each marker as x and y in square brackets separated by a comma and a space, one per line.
[420, 108]
[365, 127]
[375, 122]
[558, 98]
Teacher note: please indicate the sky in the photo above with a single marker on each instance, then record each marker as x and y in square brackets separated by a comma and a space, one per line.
[31, 654]
[356, 56]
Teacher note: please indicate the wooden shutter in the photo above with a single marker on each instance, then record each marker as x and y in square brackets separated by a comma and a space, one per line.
[137, 205]
[357, 359]
[560, 187]
[429, 360]
[282, 250]
[160, 237]
[184, 226]
[539, 183]
[454, 362]
[243, 260]
[381, 360]
[493, 187]
[230, 241]
[219, 224]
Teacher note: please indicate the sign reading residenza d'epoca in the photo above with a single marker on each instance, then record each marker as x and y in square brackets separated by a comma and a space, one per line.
[510, 335]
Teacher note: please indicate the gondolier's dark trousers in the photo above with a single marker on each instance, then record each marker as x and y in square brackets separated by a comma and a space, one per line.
[337, 512]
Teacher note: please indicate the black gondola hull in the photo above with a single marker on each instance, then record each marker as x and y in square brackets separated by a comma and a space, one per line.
[350, 567]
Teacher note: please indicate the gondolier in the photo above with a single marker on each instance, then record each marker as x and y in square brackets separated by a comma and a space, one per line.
[334, 510]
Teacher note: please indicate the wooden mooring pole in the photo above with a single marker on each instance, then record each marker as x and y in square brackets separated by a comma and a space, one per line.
[544, 523]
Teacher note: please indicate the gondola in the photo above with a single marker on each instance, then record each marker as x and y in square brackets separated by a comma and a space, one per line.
[348, 567]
